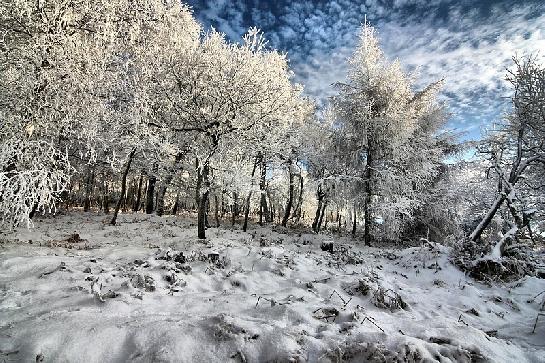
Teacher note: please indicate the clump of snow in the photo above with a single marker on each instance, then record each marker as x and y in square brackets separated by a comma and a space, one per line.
[147, 290]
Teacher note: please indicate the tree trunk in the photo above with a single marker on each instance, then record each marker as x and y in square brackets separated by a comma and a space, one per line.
[368, 219]
[476, 234]
[161, 199]
[287, 212]
[166, 182]
[299, 206]
[216, 211]
[150, 193]
[354, 222]
[203, 200]
[263, 208]
[324, 206]
[89, 190]
[247, 209]
[136, 206]
[106, 199]
[234, 210]
[175, 207]
[320, 196]
[123, 187]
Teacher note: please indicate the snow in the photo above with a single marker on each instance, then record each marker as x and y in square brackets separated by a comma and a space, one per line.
[267, 298]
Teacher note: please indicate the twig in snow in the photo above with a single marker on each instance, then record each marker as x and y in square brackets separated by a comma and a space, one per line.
[62, 266]
[340, 297]
[535, 297]
[460, 320]
[539, 312]
[272, 301]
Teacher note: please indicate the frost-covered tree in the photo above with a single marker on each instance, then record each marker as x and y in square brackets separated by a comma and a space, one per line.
[43, 108]
[228, 90]
[516, 150]
[392, 140]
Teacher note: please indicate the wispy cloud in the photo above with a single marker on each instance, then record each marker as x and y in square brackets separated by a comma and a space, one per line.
[467, 43]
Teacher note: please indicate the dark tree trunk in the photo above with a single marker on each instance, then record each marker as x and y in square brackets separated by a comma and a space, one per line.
[476, 234]
[123, 187]
[166, 182]
[234, 209]
[324, 206]
[106, 199]
[136, 206]
[299, 206]
[203, 200]
[150, 193]
[354, 221]
[175, 206]
[320, 196]
[287, 212]
[368, 219]
[263, 208]
[161, 199]
[216, 211]
[89, 190]
[248, 198]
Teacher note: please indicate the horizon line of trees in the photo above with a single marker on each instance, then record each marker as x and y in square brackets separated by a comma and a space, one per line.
[132, 105]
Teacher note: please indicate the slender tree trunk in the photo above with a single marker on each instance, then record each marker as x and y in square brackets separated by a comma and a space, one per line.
[106, 199]
[263, 208]
[176, 203]
[136, 206]
[123, 187]
[476, 234]
[203, 200]
[299, 206]
[88, 190]
[166, 182]
[161, 199]
[324, 206]
[287, 212]
[247, 209]
[320, 196]
[216, 211]
[234, 210]
[150, 193]
[368, 219]
[223, 208]
[354, 222]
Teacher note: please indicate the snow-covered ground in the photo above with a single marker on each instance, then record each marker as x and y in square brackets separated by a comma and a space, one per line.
[126, 294]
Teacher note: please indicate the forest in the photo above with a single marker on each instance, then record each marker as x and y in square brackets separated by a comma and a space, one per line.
[168, 194]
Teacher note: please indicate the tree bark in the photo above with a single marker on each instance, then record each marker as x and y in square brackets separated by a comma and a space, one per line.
[368, 219]
[175, 206]
[204, 192]
[234, 209]
[136, 206]
[476, 234]
[263, 208]
[324, 206]
[106, 199]
[150, 193]
[216, 211]
[354, 222]
[299, 206]
[247, 208]
[287, 212]
[320, 196]
[123, 187]
[89, 190]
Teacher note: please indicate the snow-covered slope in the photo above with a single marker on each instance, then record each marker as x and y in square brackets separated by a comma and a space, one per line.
[126, 294]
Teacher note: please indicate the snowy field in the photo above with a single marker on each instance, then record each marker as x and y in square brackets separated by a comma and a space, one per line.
[148, 291]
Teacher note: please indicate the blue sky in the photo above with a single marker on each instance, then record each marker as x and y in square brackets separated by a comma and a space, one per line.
[467, 43]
